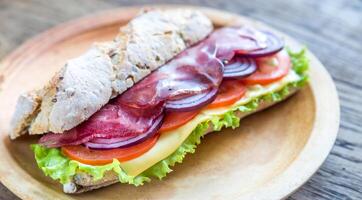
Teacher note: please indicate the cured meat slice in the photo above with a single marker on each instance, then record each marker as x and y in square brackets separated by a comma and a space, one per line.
[112, 121]
[192, 73]
[244, 41]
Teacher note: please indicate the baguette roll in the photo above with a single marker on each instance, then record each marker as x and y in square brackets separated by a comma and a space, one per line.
[88, 82]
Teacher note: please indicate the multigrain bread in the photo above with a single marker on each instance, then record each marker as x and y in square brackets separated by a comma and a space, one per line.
[83, 182]
[88, 82]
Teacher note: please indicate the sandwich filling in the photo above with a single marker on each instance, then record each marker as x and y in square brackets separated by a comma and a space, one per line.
[154, 156]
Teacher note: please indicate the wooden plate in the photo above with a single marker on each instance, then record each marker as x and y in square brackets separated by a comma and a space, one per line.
[272, 154]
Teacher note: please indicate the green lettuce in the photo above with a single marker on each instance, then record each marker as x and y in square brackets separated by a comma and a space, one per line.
[161, 168]
[54, 164]
[300, 65]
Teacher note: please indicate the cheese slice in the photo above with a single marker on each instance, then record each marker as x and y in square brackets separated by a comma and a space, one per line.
[171, 140]
[165, 146]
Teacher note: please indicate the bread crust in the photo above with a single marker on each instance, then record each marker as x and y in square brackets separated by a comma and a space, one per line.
[88, 82]
[26, 108]
[83, 182]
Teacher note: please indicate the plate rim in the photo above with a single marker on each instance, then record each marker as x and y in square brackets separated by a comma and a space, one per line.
[321, 135]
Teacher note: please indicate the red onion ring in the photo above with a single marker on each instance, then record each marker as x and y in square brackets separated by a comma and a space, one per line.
[193, 102]
[239, 67]
[110, 140]
[273, 45]
[103, 143]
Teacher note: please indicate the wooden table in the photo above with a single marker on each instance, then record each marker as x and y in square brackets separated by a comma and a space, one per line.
[332, 29]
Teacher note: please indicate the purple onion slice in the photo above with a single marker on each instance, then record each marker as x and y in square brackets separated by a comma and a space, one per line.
[273, 44]
[239, 67]
[110, 140]
[103, 143]
[193, 102]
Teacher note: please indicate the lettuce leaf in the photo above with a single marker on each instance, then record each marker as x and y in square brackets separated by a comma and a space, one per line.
[54, 164]
[162, 168]
[300, 65]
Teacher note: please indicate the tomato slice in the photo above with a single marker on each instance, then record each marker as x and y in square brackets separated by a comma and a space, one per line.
[101, 157]
[270, 69]
[176, 119]
[229, 92]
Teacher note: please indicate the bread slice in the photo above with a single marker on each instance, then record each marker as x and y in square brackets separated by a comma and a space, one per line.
[106, 70]
[83, 182]
[26, 109]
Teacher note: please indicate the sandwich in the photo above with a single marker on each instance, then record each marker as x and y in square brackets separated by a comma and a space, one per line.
[128, 110]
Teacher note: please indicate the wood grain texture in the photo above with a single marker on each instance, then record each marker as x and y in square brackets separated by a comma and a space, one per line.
[330, 28]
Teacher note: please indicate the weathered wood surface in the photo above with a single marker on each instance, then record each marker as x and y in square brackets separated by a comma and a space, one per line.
[332, 29]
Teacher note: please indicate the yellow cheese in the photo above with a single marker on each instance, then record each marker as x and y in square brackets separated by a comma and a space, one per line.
[165, 146]
[171, 140]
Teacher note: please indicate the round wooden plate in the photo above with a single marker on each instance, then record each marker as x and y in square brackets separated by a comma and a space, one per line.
[272, 153]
